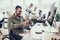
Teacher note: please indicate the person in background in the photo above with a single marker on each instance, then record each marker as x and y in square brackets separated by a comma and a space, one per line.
[28, 11]
[50, 18]
[33, 16]
[49, 13]
[41, 18]
[16, 23]
[40, 13]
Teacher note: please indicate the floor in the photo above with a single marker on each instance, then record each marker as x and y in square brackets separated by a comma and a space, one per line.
[27, 36]
[31, 36]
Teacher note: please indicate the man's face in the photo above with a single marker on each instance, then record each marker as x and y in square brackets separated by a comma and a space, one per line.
[31, 5]
[18, 11]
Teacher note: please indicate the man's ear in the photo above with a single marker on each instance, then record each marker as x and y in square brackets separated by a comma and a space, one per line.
[15, 11]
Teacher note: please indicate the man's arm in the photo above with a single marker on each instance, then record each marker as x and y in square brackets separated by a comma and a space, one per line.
[14, 26]
[11, 25]
[9, 22]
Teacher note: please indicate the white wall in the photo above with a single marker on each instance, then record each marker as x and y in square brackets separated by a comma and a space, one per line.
[9, 5]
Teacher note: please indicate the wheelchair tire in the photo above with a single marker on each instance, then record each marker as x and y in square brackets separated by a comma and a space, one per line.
[7, 37]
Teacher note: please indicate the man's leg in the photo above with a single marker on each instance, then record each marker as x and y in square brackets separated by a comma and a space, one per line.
[13, 35]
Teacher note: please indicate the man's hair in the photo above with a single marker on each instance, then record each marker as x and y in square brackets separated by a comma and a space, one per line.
[49, 11]
[40, 10]
[18, 7]
[31, 4]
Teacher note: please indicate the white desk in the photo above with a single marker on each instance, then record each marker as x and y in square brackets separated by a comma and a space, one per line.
[49, 31]
[38, 28]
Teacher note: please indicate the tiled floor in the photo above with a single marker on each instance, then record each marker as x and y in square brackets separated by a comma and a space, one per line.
[48, 37]
[28, 36]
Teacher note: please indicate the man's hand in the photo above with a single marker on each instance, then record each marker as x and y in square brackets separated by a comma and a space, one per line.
[25, 23]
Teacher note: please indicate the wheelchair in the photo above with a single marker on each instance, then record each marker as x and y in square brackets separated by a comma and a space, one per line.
[7, 37]
[10, 37]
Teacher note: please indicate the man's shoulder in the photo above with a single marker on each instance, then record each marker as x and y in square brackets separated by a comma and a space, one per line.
[21, 16]
[9, 18]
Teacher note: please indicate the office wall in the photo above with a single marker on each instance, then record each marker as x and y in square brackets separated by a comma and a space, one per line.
[9, 5]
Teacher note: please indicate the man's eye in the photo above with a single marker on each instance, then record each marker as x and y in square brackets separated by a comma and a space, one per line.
[20, 11]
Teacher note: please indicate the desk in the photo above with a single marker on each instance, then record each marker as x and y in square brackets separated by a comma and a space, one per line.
[38, 28]
[46, 35]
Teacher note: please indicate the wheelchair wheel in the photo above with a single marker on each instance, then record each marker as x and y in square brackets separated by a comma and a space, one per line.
[7, 37]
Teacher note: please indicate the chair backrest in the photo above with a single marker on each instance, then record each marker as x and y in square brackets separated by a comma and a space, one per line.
[1, 21]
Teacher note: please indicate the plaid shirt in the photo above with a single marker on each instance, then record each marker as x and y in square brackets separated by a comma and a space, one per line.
[15, 22]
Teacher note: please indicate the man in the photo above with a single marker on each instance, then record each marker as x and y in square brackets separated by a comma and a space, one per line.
[33, 16]
[41, 17]
[28, 11]
[16, 23]
[40, 13]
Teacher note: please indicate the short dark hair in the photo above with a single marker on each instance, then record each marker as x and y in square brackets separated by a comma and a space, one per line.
[18, 7]
[31, 4]
[40, 10]
[49, 11]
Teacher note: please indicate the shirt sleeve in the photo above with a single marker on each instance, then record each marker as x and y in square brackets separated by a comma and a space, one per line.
[9, 22]
[12, 25]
